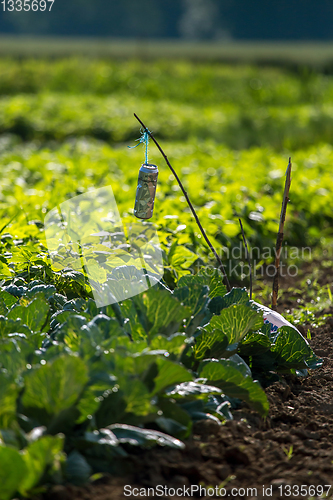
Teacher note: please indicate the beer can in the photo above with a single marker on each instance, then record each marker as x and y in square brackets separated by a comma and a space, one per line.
[146, 190]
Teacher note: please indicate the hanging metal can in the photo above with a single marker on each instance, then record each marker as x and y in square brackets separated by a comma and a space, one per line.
[146, 190]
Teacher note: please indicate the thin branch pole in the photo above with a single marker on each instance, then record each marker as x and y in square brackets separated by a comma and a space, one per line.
[221, 266]
[279, 240]
[247, 255]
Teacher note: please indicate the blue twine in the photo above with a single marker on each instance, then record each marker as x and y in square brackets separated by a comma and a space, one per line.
[144, 139]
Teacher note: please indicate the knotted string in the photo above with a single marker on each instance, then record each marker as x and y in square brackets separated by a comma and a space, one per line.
[144, 139]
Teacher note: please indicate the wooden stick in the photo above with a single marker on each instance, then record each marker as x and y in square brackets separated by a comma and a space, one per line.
[221, 266]
[279, 240]
[247, 255]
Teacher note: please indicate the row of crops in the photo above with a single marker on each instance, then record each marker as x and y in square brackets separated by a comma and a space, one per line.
[80, 385]
[54, 116]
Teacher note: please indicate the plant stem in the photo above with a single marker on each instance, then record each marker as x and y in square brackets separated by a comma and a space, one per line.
[221, 266]
[247, 255]
[280, 236]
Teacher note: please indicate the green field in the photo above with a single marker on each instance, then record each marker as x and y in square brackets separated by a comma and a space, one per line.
[71, 374]
[313, 54]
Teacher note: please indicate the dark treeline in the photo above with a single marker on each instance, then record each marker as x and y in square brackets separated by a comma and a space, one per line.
[189, 19]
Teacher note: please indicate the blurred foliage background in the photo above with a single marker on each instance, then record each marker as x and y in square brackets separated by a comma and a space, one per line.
[190, 19]
[228, 130]
[72, 78]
